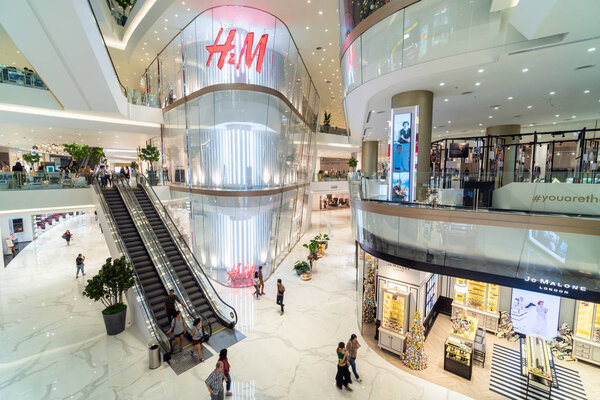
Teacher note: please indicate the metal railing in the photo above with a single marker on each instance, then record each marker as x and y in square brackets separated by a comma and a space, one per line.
[21, 77]
[42, 180]
[156, 252]
[226, 313]
[155, 331]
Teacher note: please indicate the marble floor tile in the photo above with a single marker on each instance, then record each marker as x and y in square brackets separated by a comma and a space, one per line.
[54, 344]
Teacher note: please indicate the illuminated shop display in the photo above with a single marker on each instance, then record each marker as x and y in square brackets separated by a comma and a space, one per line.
[393, 311]
[403, 153]
[479, 300]
[240, 115]
[586, 333]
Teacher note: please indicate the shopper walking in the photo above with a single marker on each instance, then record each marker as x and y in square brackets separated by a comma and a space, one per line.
[178, 329]
[67, 236]
[342, 378]
[262, 282]
[226, 367]
[280, 291]
[170, 308]
[352, 346]
[214, 382]
[256, 286]
[197, 334]
[79, 262]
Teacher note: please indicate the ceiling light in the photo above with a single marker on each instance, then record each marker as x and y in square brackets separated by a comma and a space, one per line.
[183, 3]
[330, 43]
[166, 20]
[445, 99]
[586, 91]
[449, 122]
[490, 116]
[510, 98]
[50, 128]
[481, 70]
[525, 70]
[189, 9]
[320, 12]
[557, 115]
[176, 15]
[326, 30]
[165, 28]
[529, 106]
[554, 123]
[496, 108]
[573, 116]
[155, 31]
[442, 83]
[552, 93]
[591, 49]
[308, 27]
[477, 83]
[480, 124]
[447, 131]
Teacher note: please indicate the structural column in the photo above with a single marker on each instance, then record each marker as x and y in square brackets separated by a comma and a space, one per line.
[368, 158]
[510, 148]
[423, 99]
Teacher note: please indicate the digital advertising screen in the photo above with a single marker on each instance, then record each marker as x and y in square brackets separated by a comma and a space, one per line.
[535, 313]
[402, 154]
[458, 150]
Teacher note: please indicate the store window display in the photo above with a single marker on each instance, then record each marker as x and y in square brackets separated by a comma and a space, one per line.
[586, 339]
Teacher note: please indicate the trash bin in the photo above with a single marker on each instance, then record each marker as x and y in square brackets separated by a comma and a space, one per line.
[153, 356]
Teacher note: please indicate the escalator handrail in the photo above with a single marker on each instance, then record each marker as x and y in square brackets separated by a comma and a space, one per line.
[161, 338]
[155, 252]
[155, 200]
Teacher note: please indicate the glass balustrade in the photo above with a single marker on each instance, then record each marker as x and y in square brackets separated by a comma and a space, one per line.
[43, 180]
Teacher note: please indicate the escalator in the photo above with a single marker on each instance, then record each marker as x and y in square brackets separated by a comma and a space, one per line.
[182, 269]
[147, 274]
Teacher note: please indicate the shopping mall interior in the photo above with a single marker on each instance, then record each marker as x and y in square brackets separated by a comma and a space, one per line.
[374, 199]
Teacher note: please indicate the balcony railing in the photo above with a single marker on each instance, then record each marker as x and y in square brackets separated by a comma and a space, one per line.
[334, 130]
[21, 77]
[42, 180]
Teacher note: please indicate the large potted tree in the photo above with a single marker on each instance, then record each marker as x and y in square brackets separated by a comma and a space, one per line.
[31, 159]
[114, 278]
[326, 121]
[313, 252]
[151, 155]
[78, 153]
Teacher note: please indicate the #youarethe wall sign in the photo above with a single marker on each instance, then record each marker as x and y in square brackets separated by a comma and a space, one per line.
[227, 51]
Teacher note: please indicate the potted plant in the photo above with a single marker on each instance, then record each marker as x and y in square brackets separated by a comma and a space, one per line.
[322, 239]
[152, 155]
[97, 156]
[31, 158]
[301, 267]
[320, 175]
[313, 251]
[78, 153]
[326, 121]
[114, 278]
[352, 163]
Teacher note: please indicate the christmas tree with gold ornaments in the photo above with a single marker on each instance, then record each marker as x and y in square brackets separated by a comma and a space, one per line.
[414, 356]
[369, 291]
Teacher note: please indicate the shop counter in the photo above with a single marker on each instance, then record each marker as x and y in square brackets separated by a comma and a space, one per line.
[391, 340]
[586, 350]
[458, 357]
[537, 365]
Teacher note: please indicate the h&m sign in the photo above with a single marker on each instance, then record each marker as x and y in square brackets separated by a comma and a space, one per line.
[227, 51]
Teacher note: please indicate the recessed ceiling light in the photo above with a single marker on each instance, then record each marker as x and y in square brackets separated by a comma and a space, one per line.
[552, 93]
[60, 136]
[449, 122]
[189, 9]
[529, 106]
[490, 117]
[330, 43]
[557, 115]
[591, 49]
[477, 83]
[183, 3]
[445, 99]
[496, 108]
[481, 70]
[166, 20]
[176, 15]
[308, 27]
[320, 12]
[155, 31]
[554, 123]
[165, 28]
[480, 124]
[525, 70]
[586, 91]
[510, 98]
[442, 83]
[573, 116]
[50, 128]
[447, 131]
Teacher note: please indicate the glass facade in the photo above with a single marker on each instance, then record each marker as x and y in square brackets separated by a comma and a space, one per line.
[253, 132]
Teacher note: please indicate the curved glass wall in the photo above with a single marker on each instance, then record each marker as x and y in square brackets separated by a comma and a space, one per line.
[424, 31]
[240, 114]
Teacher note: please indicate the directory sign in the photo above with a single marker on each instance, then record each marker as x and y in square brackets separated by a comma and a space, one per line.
[403, 151]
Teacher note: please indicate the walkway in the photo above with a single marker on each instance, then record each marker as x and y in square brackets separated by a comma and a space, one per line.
[54, 345]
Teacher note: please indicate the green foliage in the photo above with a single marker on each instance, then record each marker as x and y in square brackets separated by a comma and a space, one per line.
[77, 151]
[108, 285]
[114, 309]
[150, 154]
[320, 172]
[124, 3]
[133, 165]
[313, 248]
[31, 158]
[301, 266]
[322, 238]
[352, 162]
[326, 120]
[97, 155]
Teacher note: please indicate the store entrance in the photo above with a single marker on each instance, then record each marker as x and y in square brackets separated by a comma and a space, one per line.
[478, 337]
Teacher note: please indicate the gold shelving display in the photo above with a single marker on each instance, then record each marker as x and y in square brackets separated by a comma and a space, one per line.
[458, 351]
[492, 300]
[393, 311]
[596, 334]
[460, 297]
[585, 317]
[476, 294]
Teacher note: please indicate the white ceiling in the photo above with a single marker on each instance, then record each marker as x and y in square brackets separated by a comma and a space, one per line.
[312, 23]
[470, 100]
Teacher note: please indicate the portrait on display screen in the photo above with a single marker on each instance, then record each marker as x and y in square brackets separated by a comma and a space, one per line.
[401, 156]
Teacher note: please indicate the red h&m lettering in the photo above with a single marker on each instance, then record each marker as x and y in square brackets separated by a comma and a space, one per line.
[260, 49]
[245, 53]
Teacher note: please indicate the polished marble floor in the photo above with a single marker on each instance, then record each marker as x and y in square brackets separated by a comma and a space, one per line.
[54, 345]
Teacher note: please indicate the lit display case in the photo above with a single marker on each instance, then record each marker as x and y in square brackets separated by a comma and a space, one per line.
[537, 364]
[458, 357]
[480, 301]
[393, 311]
[586, 339]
